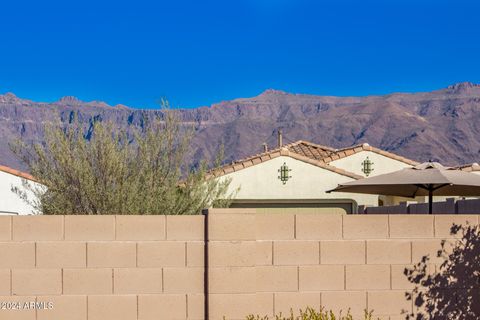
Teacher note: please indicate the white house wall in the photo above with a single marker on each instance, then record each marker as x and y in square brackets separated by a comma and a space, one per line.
[10, 202]
[261, 182]
[381, 164]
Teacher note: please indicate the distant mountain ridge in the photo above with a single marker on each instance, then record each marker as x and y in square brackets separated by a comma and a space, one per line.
[442, 125]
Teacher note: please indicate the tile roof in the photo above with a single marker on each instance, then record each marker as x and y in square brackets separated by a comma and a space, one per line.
[312, 153]
[18, 173]
[345, 152]
[310, 150]
[300, 150]
[469, 167]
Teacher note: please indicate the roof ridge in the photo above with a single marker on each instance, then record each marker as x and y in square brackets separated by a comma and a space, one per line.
[474, 166]
[367, 147]
[257, 155]
[353, 146]
[277, 149]
[282, 151]
[319, 160]
[315, 145]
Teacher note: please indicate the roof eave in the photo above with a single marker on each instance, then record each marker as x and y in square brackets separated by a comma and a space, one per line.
[366, 147]
[18, 173]
[286, 153]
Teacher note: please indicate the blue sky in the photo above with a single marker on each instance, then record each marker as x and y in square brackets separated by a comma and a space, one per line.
[196, 53]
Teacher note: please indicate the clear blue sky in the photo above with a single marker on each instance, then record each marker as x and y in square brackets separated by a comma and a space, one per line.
[199, 52]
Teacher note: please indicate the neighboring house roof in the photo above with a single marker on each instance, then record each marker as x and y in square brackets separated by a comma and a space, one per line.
[17, 173]
[310, 150]
[345, 152]
[311, 153]
[327, 154]
[300, 150]
[469, 167]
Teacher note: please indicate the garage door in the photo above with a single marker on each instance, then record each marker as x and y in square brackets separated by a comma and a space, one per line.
[298, 206]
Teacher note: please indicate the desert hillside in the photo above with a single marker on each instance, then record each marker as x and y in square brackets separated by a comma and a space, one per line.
[441, 125]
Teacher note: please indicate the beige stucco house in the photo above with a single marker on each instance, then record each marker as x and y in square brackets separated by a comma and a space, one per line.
[297, 175]
[10, 202]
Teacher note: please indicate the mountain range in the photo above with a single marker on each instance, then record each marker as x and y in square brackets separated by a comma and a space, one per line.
[442, 125]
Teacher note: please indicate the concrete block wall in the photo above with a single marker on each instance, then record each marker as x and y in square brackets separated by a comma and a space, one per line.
[102, 267]
[340, 262]
[152, 267]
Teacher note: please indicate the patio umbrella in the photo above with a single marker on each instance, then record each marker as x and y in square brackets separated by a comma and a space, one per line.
[426, 179]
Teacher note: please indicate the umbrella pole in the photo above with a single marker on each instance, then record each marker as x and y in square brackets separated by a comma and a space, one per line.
[430, 200]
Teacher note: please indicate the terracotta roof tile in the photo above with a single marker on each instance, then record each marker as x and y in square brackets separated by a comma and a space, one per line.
[384, 153]
[310, 150]
[265, 157]
[366, 147]
[228, 169]
[256, 161]
[469, 167]
[248, 163]
[284, 152]
[238, 166]
[300, 150]
[349, 152]
[18, 173]
[315, 154]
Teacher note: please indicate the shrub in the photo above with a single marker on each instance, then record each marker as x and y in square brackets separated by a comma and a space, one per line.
[104, 170]
[312, 314]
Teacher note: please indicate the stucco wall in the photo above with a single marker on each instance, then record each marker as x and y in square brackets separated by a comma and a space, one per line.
[381, 164]
[307, 182]
[151, 267]
[10, 202]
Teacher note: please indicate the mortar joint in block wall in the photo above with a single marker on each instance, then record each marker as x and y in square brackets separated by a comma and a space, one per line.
[257, 262]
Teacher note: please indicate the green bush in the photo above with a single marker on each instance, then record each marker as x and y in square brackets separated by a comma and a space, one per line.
[312, 314]
[102, 169]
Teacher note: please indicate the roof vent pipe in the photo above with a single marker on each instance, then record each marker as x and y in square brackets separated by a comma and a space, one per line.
[265, 147]
[280, 142]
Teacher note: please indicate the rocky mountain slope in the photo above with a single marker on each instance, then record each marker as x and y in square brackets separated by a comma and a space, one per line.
[441, 125]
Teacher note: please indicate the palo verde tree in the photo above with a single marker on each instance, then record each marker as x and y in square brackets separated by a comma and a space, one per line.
[142, 171]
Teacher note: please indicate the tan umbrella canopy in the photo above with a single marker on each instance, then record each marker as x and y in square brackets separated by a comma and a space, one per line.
[426, 179]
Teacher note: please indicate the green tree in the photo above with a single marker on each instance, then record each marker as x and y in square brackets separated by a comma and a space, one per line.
[142, 171]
